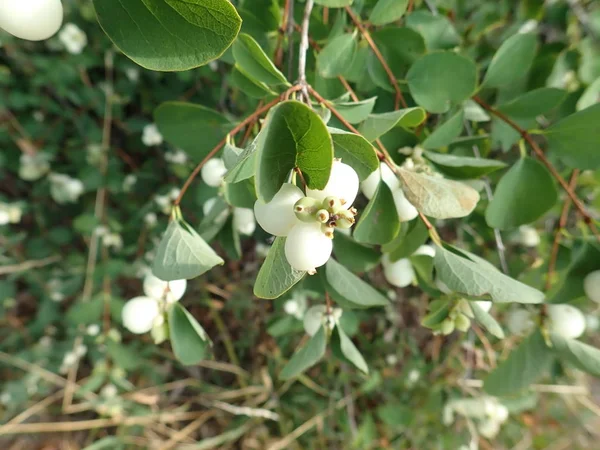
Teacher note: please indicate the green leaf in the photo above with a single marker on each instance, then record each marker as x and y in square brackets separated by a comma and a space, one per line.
[337, 56]
[355, 112]
[293, 135]
[230, 241]
[436, 196]
[445, 133]
[590, 96]
[214, 221]
[249, 86]
[349, 350]
[276, 276]
[245, 166]
[306, 357]
[534, 103]
[188, 339]
[524, 194]
[585, 260]
[583, 356]
[512, 61]
[438, 31]
[182, 253]
[439, 312]
[575, 138]
[387, 11]
[379, 124]
[193, 128]
[481, 280]
[407, 243]
[378, 223]
[169, 35]
[231, 155]
[334, 3]
[463, 167]
[356, 151]
[83, 313]
[524, 366]
[351, 287]
[254, 63]
[242, 194]
[355, 256]
[486, 320]
[439, 80]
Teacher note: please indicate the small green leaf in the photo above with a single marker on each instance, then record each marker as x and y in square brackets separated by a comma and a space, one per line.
[584, 260]
[254, 63]
[407, 243]
[182, 253]
[351, 287]
[436, 196]
[276, 276]
[306, 357]
[534, 103]
[293, 135]
[245, 165]
[349, 350]
[188, 339]
[463, 167]
[354, 256]
[575, 138]
[439, 312]
[387, 11]
[214, 221]
[337, 56]
[193, 128]
[590, 96]
[169, 35]
[355, 112]
[512, 61]
[356, 151]
[524, 366]
[481, 280]
[378, 223]
[524, 194]
[439, 80]
[251, 87]
[446, 132]
[229, 238]
[242, 194]
[379, 124]
[437, 30]
[231, 155]
[583, 356]
[486, 320]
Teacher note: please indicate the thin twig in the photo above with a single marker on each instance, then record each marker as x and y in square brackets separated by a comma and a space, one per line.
[242, 410]
[187, 430]
[290, 33]
[540, 154]
[304, 48]
[28, 265]
[562, 389]
[365, 33]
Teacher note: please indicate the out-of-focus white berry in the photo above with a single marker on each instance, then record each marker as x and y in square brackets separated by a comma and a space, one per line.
[65, 189]
[528, 236]
[133, 74]
[566, 321]
[69, 359]
[213, 171]
[34, 20]
[391, 359]
[164, 203]
[519, 320]
[244, 221]
[591, 323]
[406, 211]
[277, 217]
[426, 250]
[93, 329]
[314, 319]
[370, 184]
[33, 166]
[398, 273]
[139, 314]
[529, 26]
[73, 38]
[156, 288]
[488, 428]
[591, 286]
[174, 193]
[343, 184]
[113, 240]
[306, 247]
[150, 219]
[151, 136]
[129, 181]
[109, 391]
[176, 156]
[10, 213]
[81, 350]
[486, 305]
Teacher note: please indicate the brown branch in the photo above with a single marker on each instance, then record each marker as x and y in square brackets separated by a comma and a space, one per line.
[223, 141]
[399, 97]
[562, 223]
[540, 154]
[282, 31]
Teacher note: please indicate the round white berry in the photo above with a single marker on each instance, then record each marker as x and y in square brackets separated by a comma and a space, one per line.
[406, 211]
[528, 236]
[277, 217]
[566, 321]
[139, 314]
[213, 172]
[306, 247]
[519, 320]
[243, 221]
[426, 250]
[591, 286]
[398, 273]
[343, 184]
[370, 184]
[156, 288]
[314, 319]
[33, 20]
[484, 304]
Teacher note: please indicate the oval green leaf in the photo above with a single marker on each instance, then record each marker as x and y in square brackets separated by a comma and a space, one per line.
[512, 61]
[276, 276]
[446, 132]
[378, 222]
[188, 339]
[379, 124]
[356, 151]
[307, 356]
[387, 11]
[337, 56]
[254, 63]
[351, 287]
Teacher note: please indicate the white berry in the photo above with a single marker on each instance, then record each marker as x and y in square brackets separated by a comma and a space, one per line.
[277, 217]
[426, 250]
[399, 273]
[314, 318]
[243, 221]
[156, 288]
[406, 211]
[528, 236]
[566, 321]
[370, 184]
[306, 247]
[486, 305]
[34, 20]
[519, 320]
[139, 314]
[591, 286]
[343, 184]
[213, 172]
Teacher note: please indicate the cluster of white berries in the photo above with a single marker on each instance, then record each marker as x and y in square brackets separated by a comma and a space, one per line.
[10, 213]
[65, 189]
[73, 38]
[33, 166]
[109, 239]
[142, 314]
[151, 136]
[489, 413]
[71, 358]
[165, 202]
[309, 221]
[34, 20]
[176, 156]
